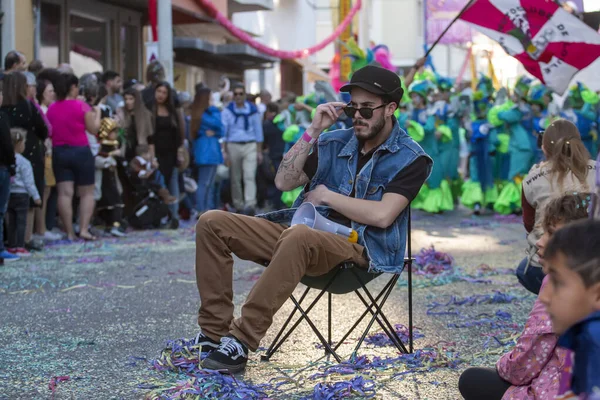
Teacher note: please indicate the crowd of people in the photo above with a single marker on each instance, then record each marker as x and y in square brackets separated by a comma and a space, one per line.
[82, 152]
[94, 149]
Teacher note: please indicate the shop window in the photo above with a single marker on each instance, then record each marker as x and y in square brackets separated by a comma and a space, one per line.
[88, 51]
[50, 34]
[130, 56]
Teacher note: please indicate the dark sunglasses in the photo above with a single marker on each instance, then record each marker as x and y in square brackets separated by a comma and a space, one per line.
[238, 93]
[365, 112]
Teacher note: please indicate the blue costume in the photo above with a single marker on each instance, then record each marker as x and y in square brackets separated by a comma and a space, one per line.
[435, 196]
[580, 110]
[479, 190]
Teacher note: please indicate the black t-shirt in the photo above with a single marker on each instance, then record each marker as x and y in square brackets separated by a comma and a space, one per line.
[407, 182]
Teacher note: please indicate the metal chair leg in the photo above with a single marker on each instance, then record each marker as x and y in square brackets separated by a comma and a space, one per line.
[364, 314]
[270, 351]
[377, 312]
[390, 331]
[408, 264]
[328, 348]
[329, 318]
[386, 326]
[304, 315]
[410, 308]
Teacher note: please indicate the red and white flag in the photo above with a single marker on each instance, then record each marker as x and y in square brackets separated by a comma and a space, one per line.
[552, 44]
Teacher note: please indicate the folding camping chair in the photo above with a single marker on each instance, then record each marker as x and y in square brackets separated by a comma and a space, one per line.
[343, 279]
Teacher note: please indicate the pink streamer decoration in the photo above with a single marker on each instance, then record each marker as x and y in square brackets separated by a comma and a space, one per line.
[283, 54]
[463, 68]
[55, 381]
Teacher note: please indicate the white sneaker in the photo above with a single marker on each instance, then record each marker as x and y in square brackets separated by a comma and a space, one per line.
[117, 233]
[52, 236]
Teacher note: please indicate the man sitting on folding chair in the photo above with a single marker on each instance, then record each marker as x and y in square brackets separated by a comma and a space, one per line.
[363, 177]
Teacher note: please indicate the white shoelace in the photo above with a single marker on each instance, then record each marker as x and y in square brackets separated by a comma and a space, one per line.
[230, 347]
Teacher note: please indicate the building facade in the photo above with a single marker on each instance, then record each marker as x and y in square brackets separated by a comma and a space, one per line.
[98, 35]
[290, 25]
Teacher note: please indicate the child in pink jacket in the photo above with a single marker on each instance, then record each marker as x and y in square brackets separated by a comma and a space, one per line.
[534, 367]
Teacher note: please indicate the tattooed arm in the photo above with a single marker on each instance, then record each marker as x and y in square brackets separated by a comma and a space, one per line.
[290, 174]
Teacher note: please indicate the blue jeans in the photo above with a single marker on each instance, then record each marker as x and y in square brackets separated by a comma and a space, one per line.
[51, 209]
[4, 195]
[532, 278]
[214, 202]
[173, 187]
[206, 185]
[16, 215]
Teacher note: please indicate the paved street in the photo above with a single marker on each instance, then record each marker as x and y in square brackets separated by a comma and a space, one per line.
[82, 321]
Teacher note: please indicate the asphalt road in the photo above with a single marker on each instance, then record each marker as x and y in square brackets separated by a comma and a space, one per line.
[97, 312]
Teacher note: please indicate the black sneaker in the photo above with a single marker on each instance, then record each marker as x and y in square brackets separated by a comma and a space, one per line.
[207, 345]
[231, 356]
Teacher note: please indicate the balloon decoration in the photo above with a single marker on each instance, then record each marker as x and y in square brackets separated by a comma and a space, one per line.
[212, 12]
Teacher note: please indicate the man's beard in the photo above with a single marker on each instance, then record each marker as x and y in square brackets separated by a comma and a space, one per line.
[372, 132]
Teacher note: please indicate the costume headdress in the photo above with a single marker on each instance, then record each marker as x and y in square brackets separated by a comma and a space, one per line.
[537, 93]
[422, 88]
[107, 125]
[522, 86]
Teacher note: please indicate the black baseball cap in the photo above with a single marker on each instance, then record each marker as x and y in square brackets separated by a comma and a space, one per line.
[376, 80]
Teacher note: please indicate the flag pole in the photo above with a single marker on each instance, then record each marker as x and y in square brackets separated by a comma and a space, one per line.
[460, 13]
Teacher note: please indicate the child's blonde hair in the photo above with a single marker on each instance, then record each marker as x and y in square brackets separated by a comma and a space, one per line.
[17, 135]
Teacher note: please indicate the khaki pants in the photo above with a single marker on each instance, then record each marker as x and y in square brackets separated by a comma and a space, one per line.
[292, 252]
[242, 165]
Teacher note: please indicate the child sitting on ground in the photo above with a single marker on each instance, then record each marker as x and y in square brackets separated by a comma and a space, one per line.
[532, 370]
[22, 187]
[110, 204]
[144, 169]
[572, 299]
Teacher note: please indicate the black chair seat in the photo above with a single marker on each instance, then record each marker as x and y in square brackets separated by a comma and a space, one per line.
[346, 281]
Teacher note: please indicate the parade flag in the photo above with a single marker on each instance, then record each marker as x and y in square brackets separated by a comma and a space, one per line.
[552, 44]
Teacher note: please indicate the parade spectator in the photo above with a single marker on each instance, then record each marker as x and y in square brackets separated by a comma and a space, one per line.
[137, 121]
[206, 128]
[572, 298]
[113, 83]
[244, 140]
[35, 67]
[265, 98]
[14, 61]
[65, 68]
[89, 88]
[274, 145]
[568, 168]
[22, 191]
[45, 96]
[72, 159]
[533, 369]
[155, 76]
[167, 138]
[24, 114]
[7, 169]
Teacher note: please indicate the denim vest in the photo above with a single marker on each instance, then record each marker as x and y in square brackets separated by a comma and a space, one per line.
[338, 157]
